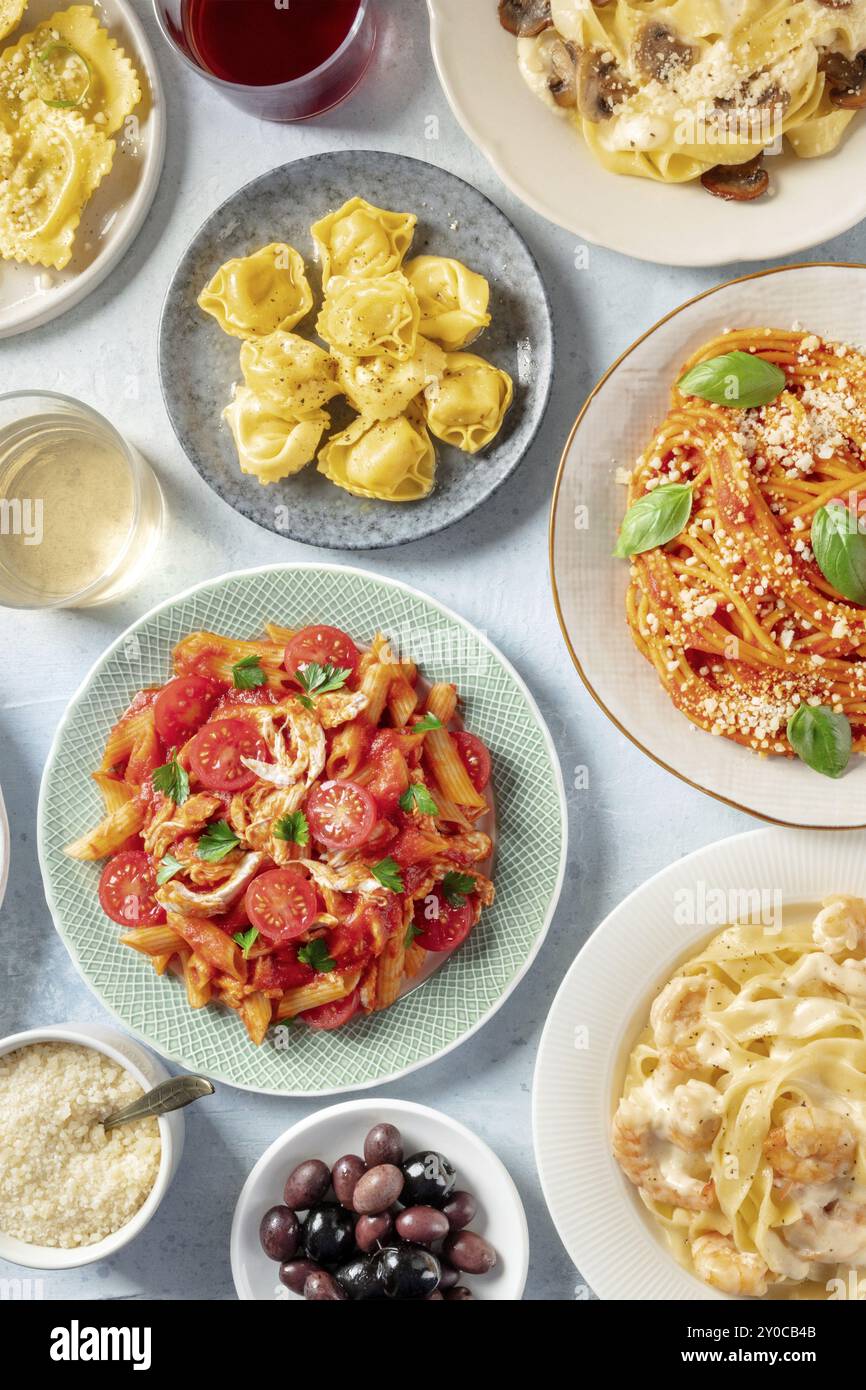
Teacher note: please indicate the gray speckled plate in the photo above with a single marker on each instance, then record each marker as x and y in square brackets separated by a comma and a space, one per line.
[198, 363]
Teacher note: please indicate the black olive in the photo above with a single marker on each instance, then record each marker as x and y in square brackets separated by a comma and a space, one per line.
[430, 1180]
[361, 1278]
[329, 1234]
[405, 1271]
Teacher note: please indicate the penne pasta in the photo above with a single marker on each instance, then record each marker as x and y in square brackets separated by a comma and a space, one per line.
[325, 990]
[155, 941]
[211, 943]
[110, 833]
[390, 974]
[442, 702]
[115, 793]
[402, 702]
[197, 978]
[256, 1014]
[447, 768]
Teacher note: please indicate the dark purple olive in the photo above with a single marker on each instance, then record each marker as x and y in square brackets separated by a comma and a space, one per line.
[458, 1294]
[407, 1272]
[294, 1274]
[449, 1276]
[469, 1252]
[378, 1189]
[372, 1231]
[329, 1234]
[422, 1225]
[307, 1184]
[461, 1210]
[430, 1180]
[384, 1144]
[361, 1278]
[320, 1285]
[344, 1175]
[279, 1233]
[434, 1297]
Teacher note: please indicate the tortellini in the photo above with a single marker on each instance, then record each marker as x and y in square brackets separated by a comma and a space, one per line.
[295, 373]
[381, 387]
[272, 442]
[392, 460]
[453, 300]
[254, 296]
[370, 318]
[360, 240]
[467, 406]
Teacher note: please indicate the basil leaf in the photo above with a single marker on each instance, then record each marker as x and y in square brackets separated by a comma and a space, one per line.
[654, 519]
[840, 550]
[740, 380]
[821, 738]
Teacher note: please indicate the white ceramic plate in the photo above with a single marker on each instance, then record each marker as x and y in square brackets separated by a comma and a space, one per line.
[31, 296]
[341, 1129]
[590, 585]
[547, 165]
[607, 995]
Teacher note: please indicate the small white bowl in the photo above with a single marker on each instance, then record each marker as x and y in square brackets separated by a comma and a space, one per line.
[148, 1072]
[340, 1130]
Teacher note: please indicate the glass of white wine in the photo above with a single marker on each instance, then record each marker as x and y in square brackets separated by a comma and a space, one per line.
[80, 510]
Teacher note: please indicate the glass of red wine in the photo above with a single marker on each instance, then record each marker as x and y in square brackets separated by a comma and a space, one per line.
[281, 60]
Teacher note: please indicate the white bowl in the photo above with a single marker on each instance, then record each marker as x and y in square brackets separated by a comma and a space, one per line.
[596, 1017]
[341, 1129]
[148, 1072]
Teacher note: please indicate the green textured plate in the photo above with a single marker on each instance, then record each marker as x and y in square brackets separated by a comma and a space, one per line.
[530, 835]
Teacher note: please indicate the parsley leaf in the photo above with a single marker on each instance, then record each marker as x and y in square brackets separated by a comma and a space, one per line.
[293, 828]
[387, 871]
[455, 886]
[411, 932]
[248, 674]
[418, 798]
[168, 867]
[246, 939]
[315, 954]
[319, 680]
[426, 724]
[172, 780]
[217, 841]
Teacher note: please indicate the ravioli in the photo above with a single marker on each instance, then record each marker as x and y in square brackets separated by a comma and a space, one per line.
[360, 240]
[381, 387]
[467, 406]
[55, 162]
[272, 442]
[391, 460]
[263, 293]
[454, 300]
[295, 373]
[11, 14]
[370, 318]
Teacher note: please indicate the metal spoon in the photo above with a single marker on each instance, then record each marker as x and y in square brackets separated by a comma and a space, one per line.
[172, 1094]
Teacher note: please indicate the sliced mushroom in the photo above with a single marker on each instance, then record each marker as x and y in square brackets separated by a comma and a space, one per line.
[560, 66]
[600, 85]
[738, 183]
[525, 18]
[846, 80]
[660, 53]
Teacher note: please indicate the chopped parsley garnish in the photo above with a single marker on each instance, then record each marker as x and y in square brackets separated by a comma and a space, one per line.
[388, 873]
[425, 725]
[168, 867]
[293, 828]
[315, 954]
[320, 680]
[417, 798]
[455, 887]
[172, 780]
[217, 841]
[411, 932]
[248, 674]
[246, 939]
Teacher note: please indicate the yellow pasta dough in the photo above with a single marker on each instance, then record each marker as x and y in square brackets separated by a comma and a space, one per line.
[467, 406]
[254, 296]
[381, 387]
[70, 58]
[360, 240]
[453, 300]
[272, 442]
[56, 162]
[11, 13]
[392, 460]
[295, 373]
[371, 318]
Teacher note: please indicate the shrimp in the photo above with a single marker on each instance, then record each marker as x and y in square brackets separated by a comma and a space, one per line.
[636, 1150]
[719, 1263]
[694, 1116]
[812, 1145]
[678, 1016]
[834, 1235]
[841, 925]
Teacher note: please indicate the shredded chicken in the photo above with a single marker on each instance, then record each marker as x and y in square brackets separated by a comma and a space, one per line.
[171, 822]
[178, 898]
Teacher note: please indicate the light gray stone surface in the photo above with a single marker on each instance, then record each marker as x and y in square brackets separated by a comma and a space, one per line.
[631, 821]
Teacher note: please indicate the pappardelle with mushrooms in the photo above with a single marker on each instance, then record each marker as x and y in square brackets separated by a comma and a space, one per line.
[678, 90]
[292, 824]
[742, 1121]
[395, 334]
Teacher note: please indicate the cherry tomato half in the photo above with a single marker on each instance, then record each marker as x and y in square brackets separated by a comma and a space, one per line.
[476, 759]
[282, 904]
[390, 773]
[341, 815]
[327, 1017]
[182, 706]
[327, 646]
[127, 888]
[216, 751]
[442, 927]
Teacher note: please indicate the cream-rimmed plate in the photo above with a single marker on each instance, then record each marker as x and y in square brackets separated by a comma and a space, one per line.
[550, 168]
[530, 834]
[30, 295]
[588, 505]
[601, 1007]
